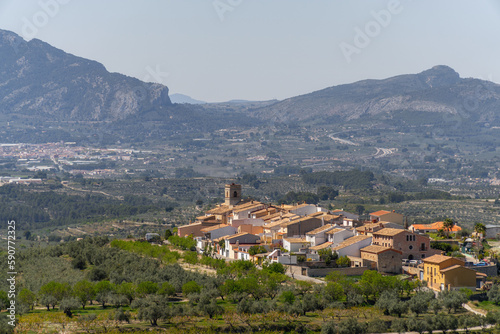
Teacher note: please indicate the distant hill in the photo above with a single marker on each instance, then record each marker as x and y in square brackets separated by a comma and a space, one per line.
[38, 79]
[181, 98]
[47, 94]
[437, 90]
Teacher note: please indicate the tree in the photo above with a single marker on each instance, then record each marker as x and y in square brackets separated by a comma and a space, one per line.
[166, 289]
[254, 250]
[152, 308]
[390, 304]
[480, 228]
[79, 263]
[494, 294]
[68, 304]
[360, 209]
[84, 291]
[352, 326]
[452, 300]
[448, 225]
[128, 290]
[288, 297]
[27, 297]
[399, 325]
[419, 303]
[343, 261]
[103, 290]
[168, 234]
[53, 292]
[328, 255]
[275, 267]
[146, 288]
[333, 291]
[190, 287]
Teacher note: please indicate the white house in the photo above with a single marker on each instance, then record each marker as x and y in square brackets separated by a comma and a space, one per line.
[277, 257]
[233, 242]
[318, 236]
[345, 214]
[307, 209]
[352, 246]
[337, 235]
[317, 248]
[295, 244]
[218, 231]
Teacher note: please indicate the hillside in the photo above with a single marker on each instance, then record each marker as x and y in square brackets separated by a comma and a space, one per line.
[437, 90]
[38, 79]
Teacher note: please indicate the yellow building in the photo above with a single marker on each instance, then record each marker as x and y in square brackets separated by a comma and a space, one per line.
[448, 273]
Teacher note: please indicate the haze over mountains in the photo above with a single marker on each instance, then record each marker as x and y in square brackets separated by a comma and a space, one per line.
[37, 79]
[438, 90]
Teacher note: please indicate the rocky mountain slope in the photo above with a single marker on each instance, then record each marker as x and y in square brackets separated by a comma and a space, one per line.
[38, 79]
[437, 90]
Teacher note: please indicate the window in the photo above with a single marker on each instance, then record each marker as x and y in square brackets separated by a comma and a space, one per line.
[410, 247]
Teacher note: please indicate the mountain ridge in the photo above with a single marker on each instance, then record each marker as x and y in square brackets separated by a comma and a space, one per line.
[39, 79]
[439, 89]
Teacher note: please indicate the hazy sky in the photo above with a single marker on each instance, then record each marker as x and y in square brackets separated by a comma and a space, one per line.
[265, 49]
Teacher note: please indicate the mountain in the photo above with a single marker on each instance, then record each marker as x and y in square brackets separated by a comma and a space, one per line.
[38, 79]
[437, 90]
[181, 98]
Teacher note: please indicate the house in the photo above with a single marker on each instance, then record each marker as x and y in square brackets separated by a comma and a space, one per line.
[368, 228]
[306, 209]
[234, 243]
[276, 256]
[300, 226]
[194, 229]
[217, 231]
[318, 236]
[243, 211]
[448, 273]
[338, 235]
[492, 231]
[345, 214]
[387, 216]
[152, 236]
[352, 246]
[432, 228]
[295, 244]
[264, 212]
[328, 218]
[383, 259]
[413, 246]
[317, 248]
[220, 213]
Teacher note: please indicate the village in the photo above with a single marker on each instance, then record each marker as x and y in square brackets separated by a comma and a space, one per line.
[313, 241]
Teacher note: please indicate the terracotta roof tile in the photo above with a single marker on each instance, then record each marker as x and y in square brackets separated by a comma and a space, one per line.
[376, 249]
[322, 246]
[389, 232]
[320, 229]
[351, 241]
[436, 259]
[379, 213]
